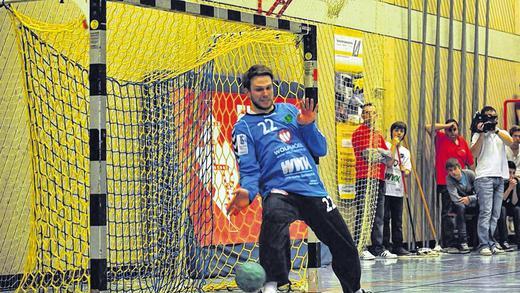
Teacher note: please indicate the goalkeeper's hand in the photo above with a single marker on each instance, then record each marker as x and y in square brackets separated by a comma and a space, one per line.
[239, 201]
[308, 112]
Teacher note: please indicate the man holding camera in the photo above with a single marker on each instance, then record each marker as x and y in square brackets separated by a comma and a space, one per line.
[488, 147]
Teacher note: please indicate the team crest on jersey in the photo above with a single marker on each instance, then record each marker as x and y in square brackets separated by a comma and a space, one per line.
[288, 118]
[284, 135]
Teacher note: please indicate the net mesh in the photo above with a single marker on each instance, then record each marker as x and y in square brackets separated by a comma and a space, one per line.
[173, 96]
[334, 7]
[358, 161]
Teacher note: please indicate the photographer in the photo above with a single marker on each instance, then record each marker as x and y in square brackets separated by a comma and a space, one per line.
[511, 208]
[488, 147]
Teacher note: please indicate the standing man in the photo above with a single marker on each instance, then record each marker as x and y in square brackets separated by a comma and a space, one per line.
[488, 145]
[274, 145]
[372, 158]
[448, 144]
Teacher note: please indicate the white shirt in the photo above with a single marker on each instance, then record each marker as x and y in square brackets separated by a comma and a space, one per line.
[511, 157]
[393, 175]
[492, 161]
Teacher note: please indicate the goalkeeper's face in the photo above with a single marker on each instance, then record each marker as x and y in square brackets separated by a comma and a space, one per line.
[261, 94]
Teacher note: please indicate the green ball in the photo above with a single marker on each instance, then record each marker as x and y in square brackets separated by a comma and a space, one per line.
[250, 277]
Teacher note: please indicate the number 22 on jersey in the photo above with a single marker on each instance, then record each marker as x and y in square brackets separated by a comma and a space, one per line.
[267, 126]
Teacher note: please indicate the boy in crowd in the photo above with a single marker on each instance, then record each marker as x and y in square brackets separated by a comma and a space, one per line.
[394, 177]
[510, 207]
[460, 185]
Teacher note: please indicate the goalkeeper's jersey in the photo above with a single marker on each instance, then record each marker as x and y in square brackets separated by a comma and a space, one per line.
[275, 152]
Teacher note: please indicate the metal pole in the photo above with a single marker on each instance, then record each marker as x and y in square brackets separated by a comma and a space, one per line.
[409, 96]
[422, 101]
[449, 85]
[475, 98]
[435, 109]
[97, 145]
[311, 91]
[462, 85]
[486, 53]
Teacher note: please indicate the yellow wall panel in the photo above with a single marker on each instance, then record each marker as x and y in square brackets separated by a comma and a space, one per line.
[502, 13]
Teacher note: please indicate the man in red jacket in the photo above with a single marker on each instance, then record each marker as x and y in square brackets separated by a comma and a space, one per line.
[372, 157]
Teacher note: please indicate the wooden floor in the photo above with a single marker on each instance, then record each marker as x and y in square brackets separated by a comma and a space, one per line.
[445, 273]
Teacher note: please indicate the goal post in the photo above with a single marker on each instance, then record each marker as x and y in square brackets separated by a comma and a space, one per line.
[130, 116]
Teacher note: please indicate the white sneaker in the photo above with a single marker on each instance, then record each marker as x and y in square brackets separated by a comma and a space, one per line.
[387, 254]
[366, 255]
[486, 251]
[496, 250]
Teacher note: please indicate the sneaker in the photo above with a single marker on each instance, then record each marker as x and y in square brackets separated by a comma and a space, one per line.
[506, 246]
[486, 251]
[496, 250]
[366, 255]
[401, 251]
[451, 250]
[464, 247]
[387, 254]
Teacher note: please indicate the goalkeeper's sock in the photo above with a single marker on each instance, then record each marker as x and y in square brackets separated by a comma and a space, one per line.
[270, 287]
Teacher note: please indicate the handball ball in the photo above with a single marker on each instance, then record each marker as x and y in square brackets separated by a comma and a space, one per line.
[250, 277]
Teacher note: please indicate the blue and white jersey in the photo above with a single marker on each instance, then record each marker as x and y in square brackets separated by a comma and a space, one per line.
[275, 152]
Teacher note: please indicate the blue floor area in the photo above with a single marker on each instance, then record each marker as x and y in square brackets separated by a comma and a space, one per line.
[445, 273]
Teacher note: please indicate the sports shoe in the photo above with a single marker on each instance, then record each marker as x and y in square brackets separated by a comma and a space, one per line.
[486, 251]
[401, 251]
[387, 254]
[506, 246]
[451, 250]
[464, 247]
[366, 255]
[496, 250]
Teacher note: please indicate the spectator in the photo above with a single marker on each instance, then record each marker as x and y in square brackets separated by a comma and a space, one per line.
[448, 144]
[512, 152]
[510, 207]
[462, 193]
[488, 146]
[395, 190]
[372, 157]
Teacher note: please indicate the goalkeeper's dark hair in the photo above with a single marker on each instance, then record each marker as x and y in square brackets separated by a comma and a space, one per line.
[452, 163]
[398, 125]
[254, 71]
[511, 165]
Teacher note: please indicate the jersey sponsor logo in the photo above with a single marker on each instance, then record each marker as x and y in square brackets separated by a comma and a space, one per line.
[295, 165]
[284, 135]
[287, 148]
[288, 118]
[240, 143]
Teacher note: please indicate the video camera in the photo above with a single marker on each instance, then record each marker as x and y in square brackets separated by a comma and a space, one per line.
[489, 122]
